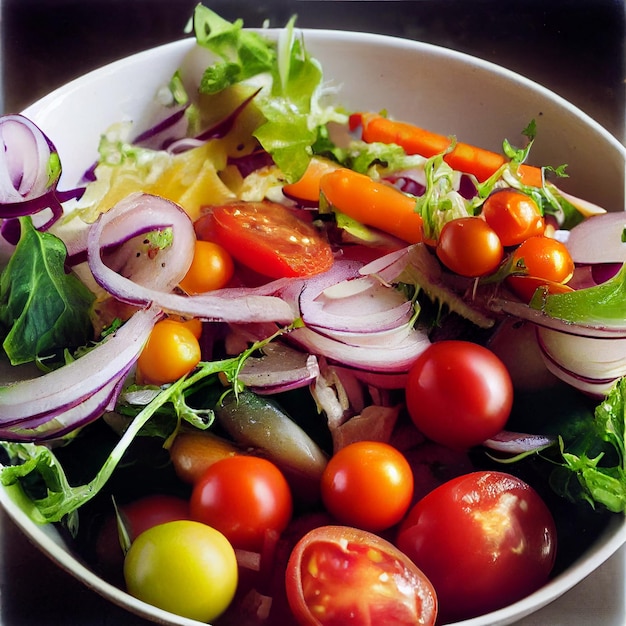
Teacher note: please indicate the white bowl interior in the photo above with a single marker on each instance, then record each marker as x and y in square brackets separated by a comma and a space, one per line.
[436, 88]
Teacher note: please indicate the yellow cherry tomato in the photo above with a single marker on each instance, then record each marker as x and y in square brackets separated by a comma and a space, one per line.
[193, 324]
[184, 567]
[172, 350]
[212, 268]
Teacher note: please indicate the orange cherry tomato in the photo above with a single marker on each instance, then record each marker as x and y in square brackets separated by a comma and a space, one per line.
[470, 247]
[172, 350]
[545, 258]
[270, 239]
[211, 268]
[514, 216]
[526, 286]
[367, 484]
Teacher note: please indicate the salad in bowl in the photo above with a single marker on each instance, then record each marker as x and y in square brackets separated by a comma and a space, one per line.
[284, 348]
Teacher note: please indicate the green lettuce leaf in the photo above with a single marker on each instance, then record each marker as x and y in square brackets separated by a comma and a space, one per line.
[43, 309]
[243, 54]
[602, 305]
[289, 78]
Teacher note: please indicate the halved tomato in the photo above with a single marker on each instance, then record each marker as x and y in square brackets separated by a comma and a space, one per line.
[269, 238]
[339, 575]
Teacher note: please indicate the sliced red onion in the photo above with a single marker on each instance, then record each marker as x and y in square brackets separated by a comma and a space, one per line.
[377, 358]
[30, 170]
[517, 443]
[77, 393]
[389, 266]
[393, 336]
[587, 363]
[280, 368]
[341, 301]
[27, 168]
[136, 277]
[599, 239]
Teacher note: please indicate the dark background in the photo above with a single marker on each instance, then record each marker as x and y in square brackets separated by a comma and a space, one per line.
[574, 47]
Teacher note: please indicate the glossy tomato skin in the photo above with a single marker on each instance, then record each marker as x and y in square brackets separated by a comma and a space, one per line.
[338, 575]
[244, 497]
[184, 567]
[270, 239]
[172, 351]
[514, 216]
[469, 247]
[485, 540]
[459, 393]
[545, 258]
[367, 484]
[211, 268]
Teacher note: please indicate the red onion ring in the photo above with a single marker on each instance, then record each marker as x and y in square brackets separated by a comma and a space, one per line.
[77, 393]
[146, 282]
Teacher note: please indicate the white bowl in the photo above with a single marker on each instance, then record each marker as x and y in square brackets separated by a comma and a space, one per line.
[436, 88]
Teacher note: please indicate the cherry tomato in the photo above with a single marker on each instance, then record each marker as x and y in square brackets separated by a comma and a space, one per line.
[270, 239]
[469, 246]
[172, 350]
[459, 393]
[514, 216]
[485, 540]
[137, 516]
[244, 497]
[184, 567]
[211, 268]
[339, 575]
[545, 258]
[367, 484]
[526, 286]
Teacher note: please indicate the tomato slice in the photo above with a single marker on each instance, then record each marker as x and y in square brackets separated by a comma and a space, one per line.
[340, 575]
[271, 239]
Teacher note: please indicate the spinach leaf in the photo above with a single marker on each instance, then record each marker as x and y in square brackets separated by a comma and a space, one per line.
[589, 462]
[43, 309]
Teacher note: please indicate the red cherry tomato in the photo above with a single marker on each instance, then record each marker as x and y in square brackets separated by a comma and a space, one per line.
[469, 246]
[338, 575]
[367, 484]
[514, 216]
[244, 497]
[459, 393]
[269, 238]
[485, 540]
[545, 258]
[137, 517]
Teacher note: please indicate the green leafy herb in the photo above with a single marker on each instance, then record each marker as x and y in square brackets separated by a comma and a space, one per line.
[587, 464]
[290, 79]
[35, 464]
[601, 470]
[43, 309]
[440, 203]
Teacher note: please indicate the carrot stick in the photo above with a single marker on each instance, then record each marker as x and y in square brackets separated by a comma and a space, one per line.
[464, 157]
[307, 187]
[373, 203]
